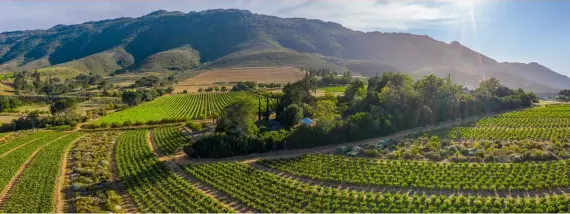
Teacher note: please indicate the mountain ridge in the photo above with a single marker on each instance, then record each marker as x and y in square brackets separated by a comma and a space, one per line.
[229, 38]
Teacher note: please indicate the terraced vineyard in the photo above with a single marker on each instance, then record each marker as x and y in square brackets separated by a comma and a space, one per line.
[266, 192]
[153, 187]
[176, 107]
[34, 191]
[169, 139]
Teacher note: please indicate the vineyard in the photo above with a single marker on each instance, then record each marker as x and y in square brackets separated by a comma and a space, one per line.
[266, 192]
[428, 175]
[153, 187]
[34, 191]
[178, 107]
[513, 162]
[12, 161]
[169, 139]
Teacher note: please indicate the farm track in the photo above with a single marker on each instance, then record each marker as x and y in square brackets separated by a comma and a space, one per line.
[5, 136]
[412, 191]
[5, 194]
[183, 159]
[59, 195]
[204, 188]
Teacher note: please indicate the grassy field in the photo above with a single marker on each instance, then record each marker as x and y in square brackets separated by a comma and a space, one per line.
[333, 89]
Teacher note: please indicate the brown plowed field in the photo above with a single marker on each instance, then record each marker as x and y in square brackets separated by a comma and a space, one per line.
[229, 76]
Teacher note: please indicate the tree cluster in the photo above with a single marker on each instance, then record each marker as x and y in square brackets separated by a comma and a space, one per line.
[133, 98]
[236, 134]
[31, 83]
[394, 102]
[564, 95]
[245, 86]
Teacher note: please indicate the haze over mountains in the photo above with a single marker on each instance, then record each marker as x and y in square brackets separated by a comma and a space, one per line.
[165, 40]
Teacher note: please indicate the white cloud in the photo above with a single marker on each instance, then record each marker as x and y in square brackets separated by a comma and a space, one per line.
[366, 15]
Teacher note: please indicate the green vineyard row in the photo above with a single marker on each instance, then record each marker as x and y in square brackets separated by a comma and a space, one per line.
[266, 192]
[427, 175]
[34, 192]
[153, 187]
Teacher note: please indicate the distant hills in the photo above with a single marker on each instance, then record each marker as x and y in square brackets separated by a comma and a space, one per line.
[162, 41]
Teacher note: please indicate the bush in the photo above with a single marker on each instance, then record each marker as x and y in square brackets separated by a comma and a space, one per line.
[104, 125]
[194, 125]
[127, 123]
[116, 124]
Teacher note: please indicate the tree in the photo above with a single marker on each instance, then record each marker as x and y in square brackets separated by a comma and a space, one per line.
[489, 86]
[355, 89]
[148, 81]
[63, 106]
[292, 115]
[131, 98]
[325, 110]
[245, 86]
[224, 88]
[238, 119]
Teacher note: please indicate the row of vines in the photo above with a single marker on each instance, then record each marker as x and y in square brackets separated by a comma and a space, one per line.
[266, 192]
[177, 107]
[428, 175]
[152, 186]
[34, 191]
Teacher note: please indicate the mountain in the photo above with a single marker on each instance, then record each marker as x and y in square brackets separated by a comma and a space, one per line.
[163, 40]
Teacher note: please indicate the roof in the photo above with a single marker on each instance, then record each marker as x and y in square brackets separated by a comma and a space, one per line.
[307, 121]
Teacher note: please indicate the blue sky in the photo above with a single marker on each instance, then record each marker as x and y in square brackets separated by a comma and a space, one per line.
[506, 30]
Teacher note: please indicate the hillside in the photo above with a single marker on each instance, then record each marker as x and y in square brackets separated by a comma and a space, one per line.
[232, 38]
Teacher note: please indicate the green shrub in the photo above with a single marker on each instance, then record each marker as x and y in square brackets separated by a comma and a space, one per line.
[116, 124]
[194, 125]
[127, 123]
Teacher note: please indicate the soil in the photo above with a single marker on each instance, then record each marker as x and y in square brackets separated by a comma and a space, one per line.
[227, 77]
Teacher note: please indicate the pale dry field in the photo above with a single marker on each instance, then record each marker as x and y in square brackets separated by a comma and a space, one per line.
[228, 77]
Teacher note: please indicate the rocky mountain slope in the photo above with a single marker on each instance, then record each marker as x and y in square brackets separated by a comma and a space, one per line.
[165, 40]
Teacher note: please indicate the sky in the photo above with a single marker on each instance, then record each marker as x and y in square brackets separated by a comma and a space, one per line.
[506, 30]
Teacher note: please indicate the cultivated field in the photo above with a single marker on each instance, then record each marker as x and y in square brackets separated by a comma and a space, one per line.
[179, 107]
[228, 77]
[515, 162]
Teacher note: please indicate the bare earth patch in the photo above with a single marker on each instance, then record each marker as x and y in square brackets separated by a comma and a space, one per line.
[280, 75]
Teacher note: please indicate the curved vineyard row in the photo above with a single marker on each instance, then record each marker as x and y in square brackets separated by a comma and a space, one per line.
[18, 142]
[34, 192]
[428, 175]
[503, 133]
[13, 160]
[547, 112]
[153, 187]
[517, 122]
[270, 193]
[177, 107]
[169, 139]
